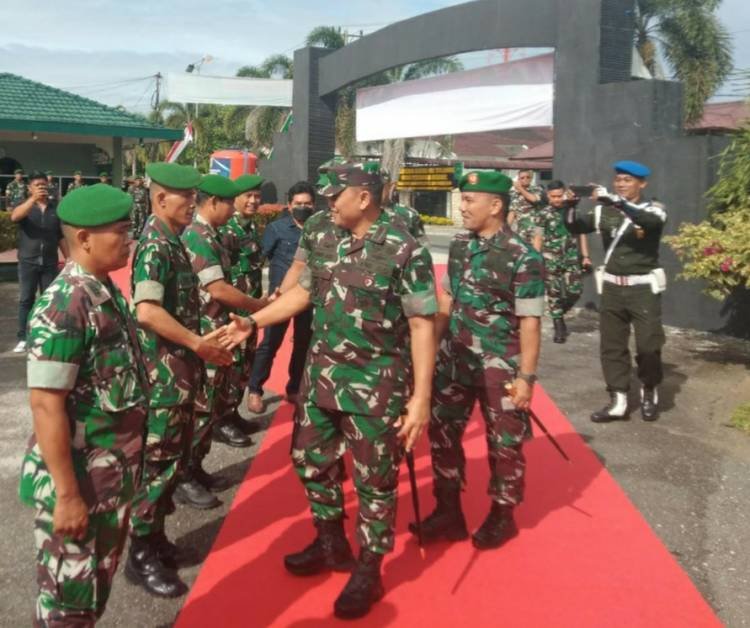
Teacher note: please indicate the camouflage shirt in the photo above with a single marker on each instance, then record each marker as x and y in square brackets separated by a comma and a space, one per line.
[493, 282]
[139, 194]
[74, 186]
[559, 243]
[15, 193]
[52, 192]
[363, 291]
[82, 339]
[411, 220]
[162, 273]
[240, 238]
[210, 262]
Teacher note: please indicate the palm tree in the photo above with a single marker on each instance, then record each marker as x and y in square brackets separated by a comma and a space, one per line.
[695, 44]
[261, 123]
[329, 37]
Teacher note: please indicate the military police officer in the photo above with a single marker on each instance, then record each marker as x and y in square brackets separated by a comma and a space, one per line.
[88, 398]
[489, 326]
[372, 289]
[631, 282]
[15, 191]
[167, 305]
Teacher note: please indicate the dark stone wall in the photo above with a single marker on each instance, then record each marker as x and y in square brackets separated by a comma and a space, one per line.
[601, 115]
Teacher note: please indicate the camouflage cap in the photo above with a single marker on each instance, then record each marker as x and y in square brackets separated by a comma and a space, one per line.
[103, 174]
[322, 184]
[490, 181]
[48, 173]
[77, 172]
[95, 205]
[351, 174]
[173, 176]
[216, 185]
[18, 171]
[247, 182]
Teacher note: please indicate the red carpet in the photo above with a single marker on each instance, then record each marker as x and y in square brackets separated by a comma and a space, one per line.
[584, 556]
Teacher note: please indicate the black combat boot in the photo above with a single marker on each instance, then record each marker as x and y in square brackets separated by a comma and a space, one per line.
[447, 520]
[145, 568]
[561, 331]
[330, 551]
[615, 410]
[214, 482]
[191, 492]
[497, 528]
[649, 404]
[363, 589]
[226, 432]
[244, 425]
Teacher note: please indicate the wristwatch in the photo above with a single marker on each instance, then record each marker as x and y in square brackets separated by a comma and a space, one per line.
[529, 378]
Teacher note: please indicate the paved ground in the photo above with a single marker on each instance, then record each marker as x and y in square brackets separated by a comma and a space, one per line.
[687, 473]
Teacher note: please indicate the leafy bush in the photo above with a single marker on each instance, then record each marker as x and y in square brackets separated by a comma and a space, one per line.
[741, 418]
[717, 249]
[435, 220]
[8, 231]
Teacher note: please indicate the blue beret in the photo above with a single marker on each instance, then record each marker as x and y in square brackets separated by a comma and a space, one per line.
[633, 168]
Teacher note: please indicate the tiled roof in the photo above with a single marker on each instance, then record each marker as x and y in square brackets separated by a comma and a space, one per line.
[26, 105]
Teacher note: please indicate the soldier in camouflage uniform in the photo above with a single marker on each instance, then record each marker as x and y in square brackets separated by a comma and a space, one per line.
[491, 307]
[210, 262]
[52, 191]
[76, 183]
[562, 259]
[15, 191]
[525, 217]
[139, 192]
[167, 305]
[372, 289]
[82, 465]
[240, 238]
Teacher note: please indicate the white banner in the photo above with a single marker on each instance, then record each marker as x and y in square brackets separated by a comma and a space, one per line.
[219, 90]
[504, 96]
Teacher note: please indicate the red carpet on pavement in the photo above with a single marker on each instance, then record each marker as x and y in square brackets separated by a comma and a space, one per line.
[584, 556]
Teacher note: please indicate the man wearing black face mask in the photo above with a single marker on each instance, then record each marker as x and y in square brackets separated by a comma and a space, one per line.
[280, 241]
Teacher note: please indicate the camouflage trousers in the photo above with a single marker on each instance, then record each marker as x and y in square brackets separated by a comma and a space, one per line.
[563, 284]
[452, 405]
[168, 441]
[75, 577]
[210, 406]
[138, 217]
[238, 376]
[320, 438]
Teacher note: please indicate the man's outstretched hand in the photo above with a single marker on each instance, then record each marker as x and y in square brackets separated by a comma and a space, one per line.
[239, 329]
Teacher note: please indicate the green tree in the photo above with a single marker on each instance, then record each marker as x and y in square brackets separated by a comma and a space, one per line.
[695, 44]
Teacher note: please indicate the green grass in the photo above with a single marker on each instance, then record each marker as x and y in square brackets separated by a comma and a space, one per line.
[741, 418]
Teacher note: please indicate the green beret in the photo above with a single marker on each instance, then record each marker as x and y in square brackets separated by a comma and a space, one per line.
[95, 205]
[48, 173]
[77, 172]
[103, 174]
[18, 171]
[173, 176]
[247, 182]
[216, 185]
[490, 181]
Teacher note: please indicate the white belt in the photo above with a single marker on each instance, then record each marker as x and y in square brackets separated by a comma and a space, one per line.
[627, 280]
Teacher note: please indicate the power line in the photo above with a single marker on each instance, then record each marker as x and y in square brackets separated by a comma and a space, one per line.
[106, 83]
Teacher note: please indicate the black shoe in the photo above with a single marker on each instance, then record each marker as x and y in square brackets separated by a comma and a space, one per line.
[364, 588]
[245, 426]
[615, 410]
[498, 527]
[561, 331]
[192, 493]
[212, 481]
[229, 434]
[447, 520]
[330, 551]
[144, 567]
[649, 404]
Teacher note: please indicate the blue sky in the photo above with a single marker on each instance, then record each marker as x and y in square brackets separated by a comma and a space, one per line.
[86, 46]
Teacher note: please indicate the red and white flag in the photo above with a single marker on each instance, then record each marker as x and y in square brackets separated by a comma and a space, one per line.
[178, 147]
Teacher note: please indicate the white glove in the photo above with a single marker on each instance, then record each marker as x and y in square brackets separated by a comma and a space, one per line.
[603, 196]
